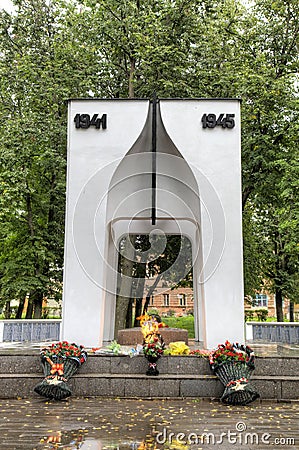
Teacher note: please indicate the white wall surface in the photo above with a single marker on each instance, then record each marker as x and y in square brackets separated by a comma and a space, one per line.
[214, 157]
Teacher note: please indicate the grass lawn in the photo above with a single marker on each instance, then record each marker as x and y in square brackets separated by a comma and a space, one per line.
[181, 322]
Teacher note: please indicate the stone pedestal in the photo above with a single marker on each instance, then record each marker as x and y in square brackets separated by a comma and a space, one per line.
[133, 336]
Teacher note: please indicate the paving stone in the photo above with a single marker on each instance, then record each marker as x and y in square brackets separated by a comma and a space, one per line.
[98, 423]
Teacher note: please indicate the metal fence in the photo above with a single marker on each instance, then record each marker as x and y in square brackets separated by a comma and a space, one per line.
[280, 332]
[29, 330]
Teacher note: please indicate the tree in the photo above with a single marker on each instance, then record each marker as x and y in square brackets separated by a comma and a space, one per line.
[51, 51]
[269, 143]
[38, 73]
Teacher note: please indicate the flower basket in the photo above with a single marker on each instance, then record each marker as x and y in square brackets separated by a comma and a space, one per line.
[60, 362]
[233, 364]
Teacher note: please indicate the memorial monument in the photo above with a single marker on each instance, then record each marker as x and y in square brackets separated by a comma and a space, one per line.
[166, 167]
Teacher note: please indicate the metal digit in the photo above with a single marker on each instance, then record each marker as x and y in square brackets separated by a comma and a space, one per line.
[221, 121]
[94, 120]
[204, 121]
[84, 121]
[229, 120]
[77, 120]
[211, 121]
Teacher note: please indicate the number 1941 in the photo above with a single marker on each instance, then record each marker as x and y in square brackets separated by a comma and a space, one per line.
[223, 120]
[85, 121]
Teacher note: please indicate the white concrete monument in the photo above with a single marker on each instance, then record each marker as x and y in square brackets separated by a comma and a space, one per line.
[166, 167]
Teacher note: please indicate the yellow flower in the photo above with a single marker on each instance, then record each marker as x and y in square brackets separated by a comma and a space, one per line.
[178, 348]
[149, 325]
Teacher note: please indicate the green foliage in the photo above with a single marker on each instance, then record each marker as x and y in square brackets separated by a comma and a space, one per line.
[51, 51]
[261, 314]
[186, 323]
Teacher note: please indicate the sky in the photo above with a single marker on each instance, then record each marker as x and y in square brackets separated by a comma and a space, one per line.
[6, 4]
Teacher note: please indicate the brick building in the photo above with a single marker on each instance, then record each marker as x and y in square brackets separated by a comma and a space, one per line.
[179, 302]
[267, 300]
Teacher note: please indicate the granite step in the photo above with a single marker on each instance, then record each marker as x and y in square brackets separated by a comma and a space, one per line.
[141, 386]
[121, 376]
[264, 366]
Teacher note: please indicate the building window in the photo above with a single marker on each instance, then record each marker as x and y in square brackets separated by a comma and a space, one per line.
[261, 300]
[182, 299]
[166, 299]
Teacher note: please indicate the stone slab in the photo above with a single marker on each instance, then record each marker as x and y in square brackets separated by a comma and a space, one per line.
[125, 364]
[133, 336]
[160, 388]
[97, 364]
[286, 366]
[139, 388]
[117, 387]
[188, 365]
[267, 388]
[90, 386]
[289, 389]
[142, 386]
[201, 388]
[265, 366]
[15, 364]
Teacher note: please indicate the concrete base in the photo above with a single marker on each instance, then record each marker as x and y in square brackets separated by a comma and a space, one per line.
[275, 378]
[133, 336]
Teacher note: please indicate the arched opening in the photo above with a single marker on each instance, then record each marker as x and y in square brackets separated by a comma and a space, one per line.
[129, 213]
[160, 267]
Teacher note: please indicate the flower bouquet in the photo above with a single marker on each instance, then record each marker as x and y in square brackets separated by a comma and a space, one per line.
[153, 344]
[60, 361]
[153, 349]
[233, 364]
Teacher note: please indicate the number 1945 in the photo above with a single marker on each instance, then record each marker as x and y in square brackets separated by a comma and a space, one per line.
[223, 120]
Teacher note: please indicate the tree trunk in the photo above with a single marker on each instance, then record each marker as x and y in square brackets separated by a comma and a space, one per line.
[38, 305]
[29, 311]
[129, 318]
[7, 310]
[131, 78]
[20, 308]
[138, 311]
[150, 292]
[139, 292]
[278, 303]
[292, 317]
[124, 296]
